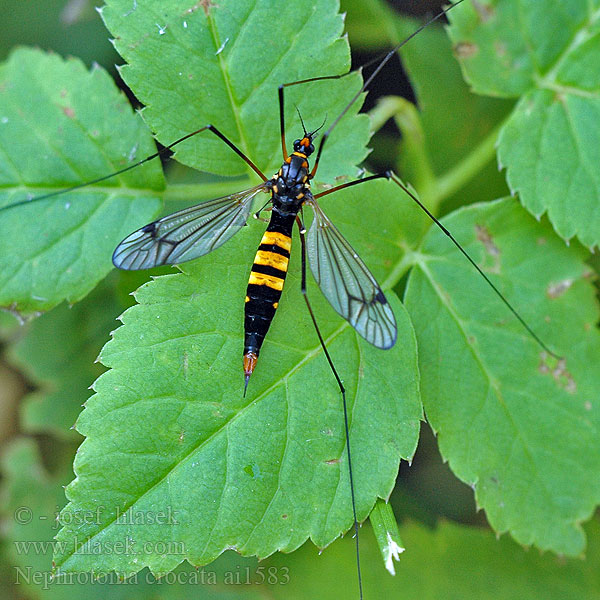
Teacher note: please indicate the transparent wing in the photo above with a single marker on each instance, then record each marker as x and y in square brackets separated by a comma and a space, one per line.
[347, 283]
[186, 234]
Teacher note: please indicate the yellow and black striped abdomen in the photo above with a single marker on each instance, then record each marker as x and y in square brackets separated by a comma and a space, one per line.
[266, 283]
[271, 260]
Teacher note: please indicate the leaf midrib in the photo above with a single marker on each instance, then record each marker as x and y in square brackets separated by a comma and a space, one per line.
[224, 427]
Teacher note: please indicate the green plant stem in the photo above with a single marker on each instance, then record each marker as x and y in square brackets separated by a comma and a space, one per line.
[432, 189]
[458, 176]
[400, 269]
[406, 116]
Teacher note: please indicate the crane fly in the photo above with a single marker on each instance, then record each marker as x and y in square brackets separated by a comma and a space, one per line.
[342, 276]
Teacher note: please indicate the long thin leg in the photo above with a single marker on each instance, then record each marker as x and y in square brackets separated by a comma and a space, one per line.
[143, 161]
[350, 184]
[366, 83]
[282, 121]
[342, 391]
[392, 177]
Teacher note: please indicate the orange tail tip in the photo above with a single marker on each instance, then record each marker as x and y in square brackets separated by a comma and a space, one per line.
[250, 359]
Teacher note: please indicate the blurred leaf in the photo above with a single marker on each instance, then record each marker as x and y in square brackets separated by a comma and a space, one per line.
[218, 74]
[513, 422]
[454, 120]
[10, 324]
[505, 46]
[58, 354]
[67, 27]
[368, 23]
[31, 498]
[452, 562]
[60, 125]
[549, 54]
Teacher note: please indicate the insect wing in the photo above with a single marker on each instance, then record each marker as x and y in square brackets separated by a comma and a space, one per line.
[186, 234]
[347, 283]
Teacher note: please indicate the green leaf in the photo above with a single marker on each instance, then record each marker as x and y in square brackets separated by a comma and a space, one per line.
[513, 422]
[174, 391]
[549, 54]
[224, 68]
[67, 28]
[30, 500]
[171, 412]
[61, 125]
